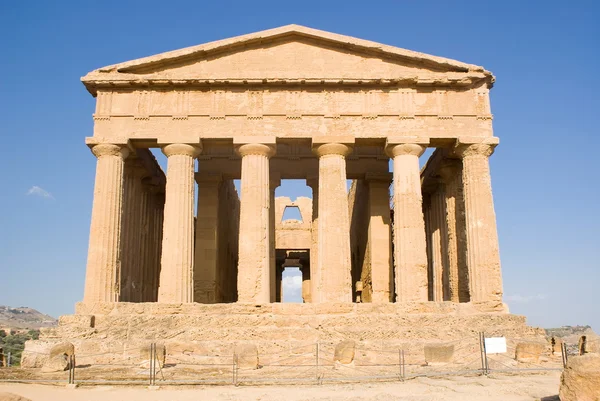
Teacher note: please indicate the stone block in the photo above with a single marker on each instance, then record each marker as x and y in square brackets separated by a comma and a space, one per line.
[344, 352]
[247, 356]
[529, 351]
[83, 321]
[580, 381]
[36, 353]
[57, 363]
[64, 348]
[438, 353]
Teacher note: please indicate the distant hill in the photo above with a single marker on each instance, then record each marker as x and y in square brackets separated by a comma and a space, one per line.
[24, 318]
[570, 332]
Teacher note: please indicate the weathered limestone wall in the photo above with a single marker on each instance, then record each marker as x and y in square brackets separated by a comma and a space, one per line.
[293, 234]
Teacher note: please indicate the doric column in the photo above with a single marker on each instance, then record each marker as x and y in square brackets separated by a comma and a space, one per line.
[458, 277]
[379, 237]
[155, 203]
[410, 255]
[274, 182]
[132, 231]
[438, 245]
[333, 225]
[254, 263]
[313, 183]
[176, 274]
[483, 257]
[104, 263]
[206, 261]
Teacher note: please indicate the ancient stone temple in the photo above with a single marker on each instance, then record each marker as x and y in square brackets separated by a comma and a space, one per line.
[404, 243]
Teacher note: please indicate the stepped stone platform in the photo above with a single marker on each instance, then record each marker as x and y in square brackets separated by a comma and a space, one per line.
[107, 332]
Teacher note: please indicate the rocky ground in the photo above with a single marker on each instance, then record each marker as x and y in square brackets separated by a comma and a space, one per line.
[542, 387]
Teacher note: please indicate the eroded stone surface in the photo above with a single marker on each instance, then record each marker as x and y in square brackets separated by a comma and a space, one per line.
[580, 380]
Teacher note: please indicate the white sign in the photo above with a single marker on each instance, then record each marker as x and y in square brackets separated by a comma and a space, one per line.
[495, 345]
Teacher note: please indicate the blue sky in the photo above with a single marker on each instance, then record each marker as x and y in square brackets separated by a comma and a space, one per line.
[545, 172]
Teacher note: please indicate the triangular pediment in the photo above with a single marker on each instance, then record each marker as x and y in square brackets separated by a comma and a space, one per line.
[288, 53]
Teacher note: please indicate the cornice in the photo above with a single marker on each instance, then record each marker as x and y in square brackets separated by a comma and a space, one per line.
[134, 82]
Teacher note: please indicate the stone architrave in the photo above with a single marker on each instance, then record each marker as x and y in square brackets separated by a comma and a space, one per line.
[254, 264]
[483, 257]
[206, 260]
[177, 261]
[379, 237]
[333, 224]
[410, 253]
[104, 261]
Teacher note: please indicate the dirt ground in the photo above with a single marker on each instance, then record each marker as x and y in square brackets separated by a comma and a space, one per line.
[497, 387]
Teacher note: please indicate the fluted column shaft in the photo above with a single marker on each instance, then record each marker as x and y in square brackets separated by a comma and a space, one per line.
[104, 263]
[274, 182]
[483, 257]
[254, 263]
[314, 244]
[438, 247]
[333, 226]
[458, 277]
[177, 261]
[206, 264]
[410, 255]
[379, 237]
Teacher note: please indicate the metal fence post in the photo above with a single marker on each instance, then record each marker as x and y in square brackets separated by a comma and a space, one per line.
[152, 364]
[8, 360]
[484, 360]
[403, 370]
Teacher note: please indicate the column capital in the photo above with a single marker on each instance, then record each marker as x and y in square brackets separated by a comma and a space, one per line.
[413, 149]
[259, 149]
[475, 147]
[108, 149]
[474, 150]
[181, 149]
[332, 148]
